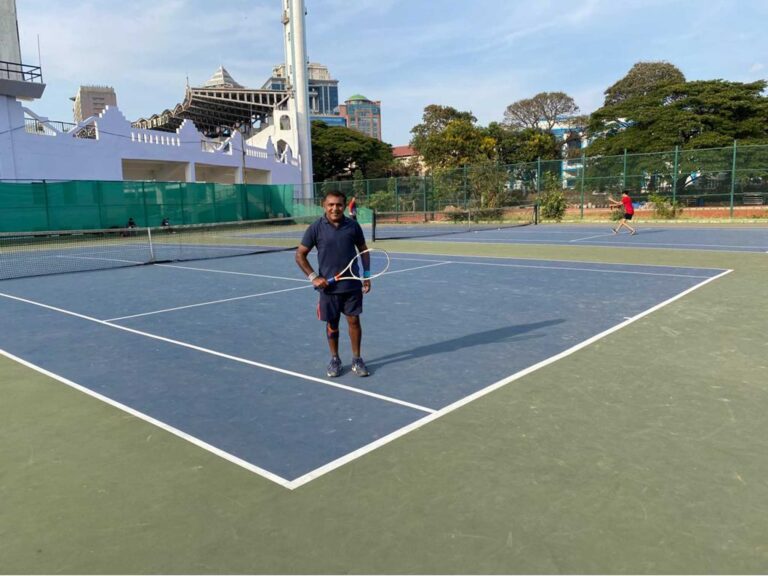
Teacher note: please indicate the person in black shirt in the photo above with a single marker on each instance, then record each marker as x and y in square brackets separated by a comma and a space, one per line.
[337, 239]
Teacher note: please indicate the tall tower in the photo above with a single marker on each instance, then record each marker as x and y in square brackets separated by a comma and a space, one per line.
[295, 40]
[10, 47]
[17, 80]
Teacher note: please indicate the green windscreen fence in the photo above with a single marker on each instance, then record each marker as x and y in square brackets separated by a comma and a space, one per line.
[91, 205]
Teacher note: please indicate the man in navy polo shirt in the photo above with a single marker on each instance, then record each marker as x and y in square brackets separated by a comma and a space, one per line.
[337, 239]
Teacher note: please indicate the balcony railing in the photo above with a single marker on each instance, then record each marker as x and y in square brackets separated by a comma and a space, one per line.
[21, 72]
[49, 128]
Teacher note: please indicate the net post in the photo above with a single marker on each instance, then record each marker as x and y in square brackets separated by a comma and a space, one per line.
[373, 225]
[151, 246]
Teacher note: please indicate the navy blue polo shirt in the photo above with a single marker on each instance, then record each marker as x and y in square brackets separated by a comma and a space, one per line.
[335, 248]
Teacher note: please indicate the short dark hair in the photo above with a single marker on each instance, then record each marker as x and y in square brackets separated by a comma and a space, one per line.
[626, 192]
[336, 193]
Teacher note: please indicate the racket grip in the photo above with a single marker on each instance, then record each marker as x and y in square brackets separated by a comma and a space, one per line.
[331, 281]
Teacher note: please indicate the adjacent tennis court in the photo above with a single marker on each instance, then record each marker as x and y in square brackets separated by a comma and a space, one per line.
[570, 405]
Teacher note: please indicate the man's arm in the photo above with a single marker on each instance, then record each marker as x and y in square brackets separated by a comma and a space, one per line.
[301, 259]
[366, 258]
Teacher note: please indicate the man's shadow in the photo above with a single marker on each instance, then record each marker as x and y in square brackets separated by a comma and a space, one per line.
[495, 336]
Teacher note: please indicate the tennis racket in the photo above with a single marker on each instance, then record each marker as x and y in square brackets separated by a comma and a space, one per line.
[379, 260]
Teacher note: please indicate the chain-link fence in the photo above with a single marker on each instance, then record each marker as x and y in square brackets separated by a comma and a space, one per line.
[726, 178]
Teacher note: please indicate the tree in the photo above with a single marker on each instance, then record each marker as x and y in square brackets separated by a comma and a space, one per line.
[337, 151]
[515, 146]
[702, 114]
[542, 111]
[643, 78]
[448, 138]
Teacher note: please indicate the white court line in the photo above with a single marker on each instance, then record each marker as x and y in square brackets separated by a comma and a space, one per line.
[553, 260]
[210, 303]
[417, 267]
[223, 355]
[159, 423]
[576, 269]
[590, 237]
[214, 271]
[571, 268]
[64, 256]
[488, 389]
[223, 300]
[649, 245]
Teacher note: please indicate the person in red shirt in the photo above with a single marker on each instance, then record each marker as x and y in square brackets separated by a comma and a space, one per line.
[353, 208]
[629, 211]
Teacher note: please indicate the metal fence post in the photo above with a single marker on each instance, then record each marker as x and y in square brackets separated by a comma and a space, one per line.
[47, 206]
[466, 199]
[583, 172]
[624, 172]
[144, 203]
[675, 165]
[733, 177]
[538, 178]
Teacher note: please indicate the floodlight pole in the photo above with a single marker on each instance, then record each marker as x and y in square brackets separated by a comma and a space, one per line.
[297, 52]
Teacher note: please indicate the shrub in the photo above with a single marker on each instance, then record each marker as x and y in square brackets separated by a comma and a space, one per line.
[665, 208]
[553, 205]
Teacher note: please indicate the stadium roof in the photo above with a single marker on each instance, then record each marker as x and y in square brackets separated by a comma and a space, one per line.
[218, 107]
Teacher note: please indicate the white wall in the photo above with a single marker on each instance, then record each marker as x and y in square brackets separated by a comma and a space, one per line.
[25, 156]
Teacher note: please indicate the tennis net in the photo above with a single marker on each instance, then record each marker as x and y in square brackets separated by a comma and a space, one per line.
[404, 225]
[40, 253]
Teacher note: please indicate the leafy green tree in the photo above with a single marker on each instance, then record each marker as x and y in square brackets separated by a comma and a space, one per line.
[643, 78]
[513, 146]
[338, 151]
[701, 114]
[487, 185]
[448, 138]
[542, 111]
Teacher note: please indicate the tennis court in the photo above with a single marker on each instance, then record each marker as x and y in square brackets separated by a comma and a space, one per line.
[563, 406]
[744, 238]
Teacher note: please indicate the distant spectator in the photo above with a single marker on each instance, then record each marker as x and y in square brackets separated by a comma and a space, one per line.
[353, 208]
[131, 224]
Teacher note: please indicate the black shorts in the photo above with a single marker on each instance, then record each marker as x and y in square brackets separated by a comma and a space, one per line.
[332, 306]
[627, 216]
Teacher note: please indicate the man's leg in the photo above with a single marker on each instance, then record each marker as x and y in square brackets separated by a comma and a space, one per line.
[328, 310]
[332, 332]
[355, 334]
[355, 337]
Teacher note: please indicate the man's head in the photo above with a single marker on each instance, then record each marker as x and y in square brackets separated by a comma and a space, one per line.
[333, 205]
[625, 192]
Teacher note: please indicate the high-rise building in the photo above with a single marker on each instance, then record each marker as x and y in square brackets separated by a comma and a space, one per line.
[323, 90]
[92, 101]
[363, 115]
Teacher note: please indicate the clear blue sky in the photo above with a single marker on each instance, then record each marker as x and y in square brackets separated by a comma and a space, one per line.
[474, 55]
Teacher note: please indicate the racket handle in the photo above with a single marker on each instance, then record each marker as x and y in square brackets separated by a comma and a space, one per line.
[331, 281]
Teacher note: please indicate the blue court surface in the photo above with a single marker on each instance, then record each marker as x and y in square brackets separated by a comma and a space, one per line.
[229, 354]
[682, 237]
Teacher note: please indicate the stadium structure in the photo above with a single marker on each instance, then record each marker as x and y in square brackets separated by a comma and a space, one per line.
[220, 132]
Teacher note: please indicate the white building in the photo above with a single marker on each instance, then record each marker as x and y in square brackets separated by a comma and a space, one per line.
[107, 147]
